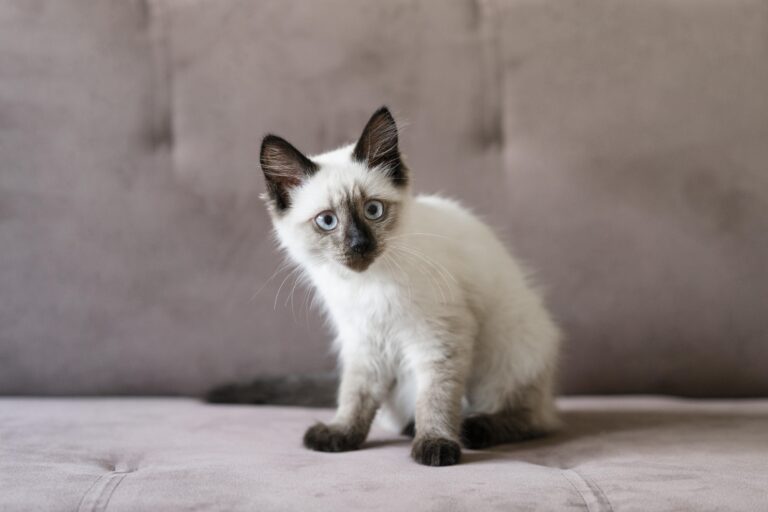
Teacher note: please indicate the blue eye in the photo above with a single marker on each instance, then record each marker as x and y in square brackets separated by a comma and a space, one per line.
[326, 221]
[374, 209]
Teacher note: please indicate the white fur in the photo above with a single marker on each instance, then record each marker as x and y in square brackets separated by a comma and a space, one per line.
[445, 283]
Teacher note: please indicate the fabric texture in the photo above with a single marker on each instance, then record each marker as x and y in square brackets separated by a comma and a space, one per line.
[616, 454]
[619, 147]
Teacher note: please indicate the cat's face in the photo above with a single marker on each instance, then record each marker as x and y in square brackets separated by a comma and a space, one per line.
[340, 207]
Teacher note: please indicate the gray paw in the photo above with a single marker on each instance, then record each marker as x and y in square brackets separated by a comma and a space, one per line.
[436, 451]
[330, 438]
[477, 432]
[485, 430]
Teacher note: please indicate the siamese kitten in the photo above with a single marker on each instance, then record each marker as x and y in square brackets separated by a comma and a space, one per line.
[436, 325]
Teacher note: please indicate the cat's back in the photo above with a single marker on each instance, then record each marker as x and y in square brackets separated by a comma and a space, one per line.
[450, 219]
[452, 234]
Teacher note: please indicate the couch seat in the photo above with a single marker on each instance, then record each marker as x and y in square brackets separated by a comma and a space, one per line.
[167, 454]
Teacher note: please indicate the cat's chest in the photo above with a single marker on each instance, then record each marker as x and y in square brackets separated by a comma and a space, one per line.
[370, 302]
[372, 306]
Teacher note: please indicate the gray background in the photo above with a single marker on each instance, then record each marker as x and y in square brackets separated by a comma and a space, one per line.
[620, 147]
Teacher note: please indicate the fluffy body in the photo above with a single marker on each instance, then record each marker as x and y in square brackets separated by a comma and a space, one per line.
[438, 331]
[441, 326]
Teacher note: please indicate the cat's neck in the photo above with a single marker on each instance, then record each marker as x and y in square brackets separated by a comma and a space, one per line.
[337, 276]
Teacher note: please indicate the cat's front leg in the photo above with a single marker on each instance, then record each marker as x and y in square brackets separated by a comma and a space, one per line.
[438, 410]
[360, 393]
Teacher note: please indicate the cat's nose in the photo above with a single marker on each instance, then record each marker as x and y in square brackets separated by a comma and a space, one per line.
[360, 245]
[358, 239]
[360, 249]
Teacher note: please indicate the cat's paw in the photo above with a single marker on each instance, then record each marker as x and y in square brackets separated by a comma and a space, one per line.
[436, 451]
[484, 430]
[477, 432]
[331, 438]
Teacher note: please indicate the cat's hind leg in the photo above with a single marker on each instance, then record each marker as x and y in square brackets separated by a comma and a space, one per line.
[524, 414]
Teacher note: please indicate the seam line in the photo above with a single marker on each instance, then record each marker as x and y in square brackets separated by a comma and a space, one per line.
[593, 496]
[109, 491]
[87, 492]
[98, 495]
[597, 489]
[565, 472]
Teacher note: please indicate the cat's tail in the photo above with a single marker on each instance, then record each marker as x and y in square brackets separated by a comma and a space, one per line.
[298, 390]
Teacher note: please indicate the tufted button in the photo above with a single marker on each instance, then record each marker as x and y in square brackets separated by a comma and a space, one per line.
[121, 467]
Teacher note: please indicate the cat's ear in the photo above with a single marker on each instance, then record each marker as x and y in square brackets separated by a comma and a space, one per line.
[284, 167]
[378, 147]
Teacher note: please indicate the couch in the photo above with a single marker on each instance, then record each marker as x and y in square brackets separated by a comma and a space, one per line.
[620, 148]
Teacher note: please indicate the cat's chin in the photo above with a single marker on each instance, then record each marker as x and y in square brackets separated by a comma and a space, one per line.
[358, 266]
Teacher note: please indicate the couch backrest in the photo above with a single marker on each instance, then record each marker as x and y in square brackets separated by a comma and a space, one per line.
[620, 147]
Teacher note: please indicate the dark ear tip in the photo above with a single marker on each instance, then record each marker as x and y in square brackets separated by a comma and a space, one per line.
[270, 139]
[275, 142]
[383, 111]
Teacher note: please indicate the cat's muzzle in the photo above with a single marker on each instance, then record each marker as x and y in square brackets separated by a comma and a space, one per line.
[360, 260]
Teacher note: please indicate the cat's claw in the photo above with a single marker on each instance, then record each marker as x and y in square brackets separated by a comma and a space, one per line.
[436, 451]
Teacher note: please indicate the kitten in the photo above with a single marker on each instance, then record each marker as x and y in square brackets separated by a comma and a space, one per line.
[434, 318]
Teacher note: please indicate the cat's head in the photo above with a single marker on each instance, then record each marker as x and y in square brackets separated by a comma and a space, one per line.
[342, 206]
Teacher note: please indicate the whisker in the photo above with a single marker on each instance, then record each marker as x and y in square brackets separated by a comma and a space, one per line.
[283, 266]
[437, 263]
[277, 295]
[405, 275]
[439, 268]
[299, 278]
[402, 235]
[305, 304]
[430, 273]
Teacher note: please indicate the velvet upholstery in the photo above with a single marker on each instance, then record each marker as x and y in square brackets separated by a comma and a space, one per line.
[626, 454]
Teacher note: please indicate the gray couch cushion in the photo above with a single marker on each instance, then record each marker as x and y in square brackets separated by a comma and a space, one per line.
[619, 147]
[620, 454]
